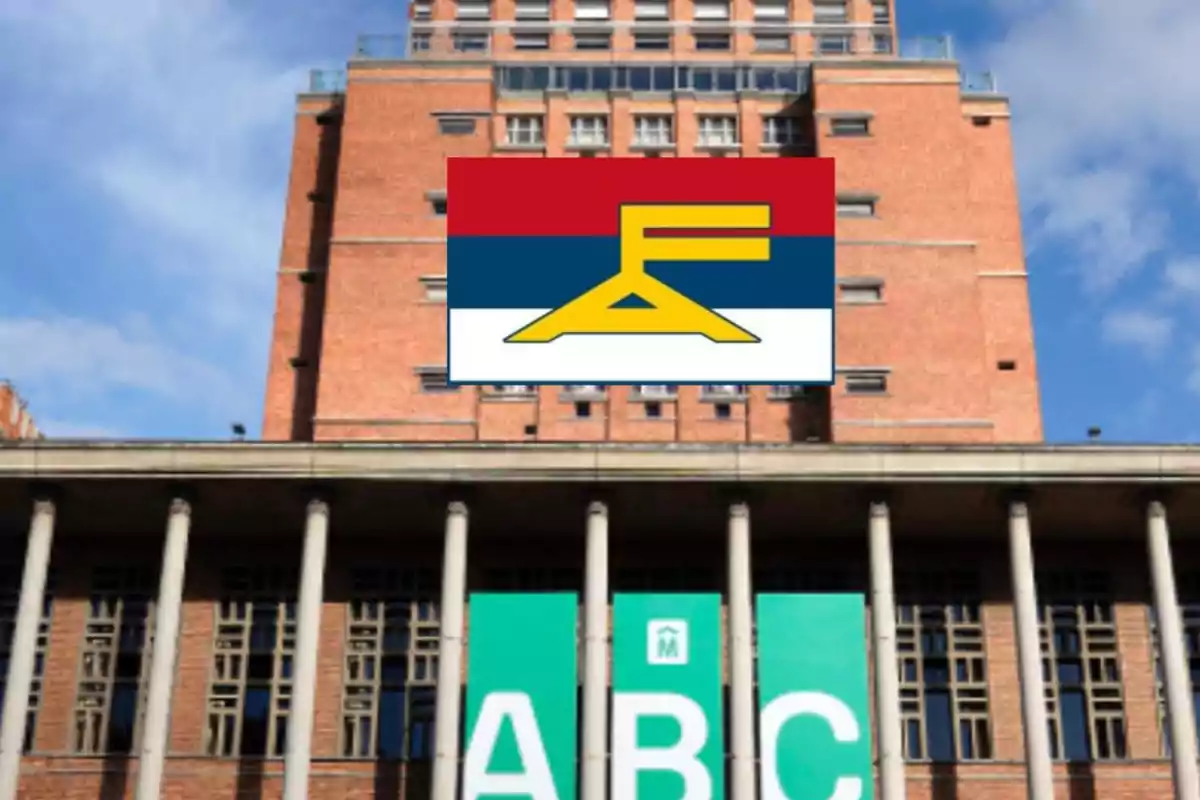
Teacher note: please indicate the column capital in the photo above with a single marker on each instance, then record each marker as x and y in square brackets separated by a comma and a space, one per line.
[42, 494]
[180, 504]
[1156, 509]
[879, 508]
[1016, 501]
[318, 504]
[739, 509]
[880, 495]
[457, 508]
[597, 508]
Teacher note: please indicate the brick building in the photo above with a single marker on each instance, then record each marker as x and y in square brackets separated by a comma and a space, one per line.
[289, 618]
[15, 420]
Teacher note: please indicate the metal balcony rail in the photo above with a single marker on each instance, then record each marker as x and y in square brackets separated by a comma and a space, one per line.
[327, 81]
[980, 83]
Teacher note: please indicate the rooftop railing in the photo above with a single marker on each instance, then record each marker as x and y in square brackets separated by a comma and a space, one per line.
[327, 81]
[980, 83]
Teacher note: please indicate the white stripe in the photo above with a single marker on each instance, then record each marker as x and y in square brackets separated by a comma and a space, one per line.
[796, 346]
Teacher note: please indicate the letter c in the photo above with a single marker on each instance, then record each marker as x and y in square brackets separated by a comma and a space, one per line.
[783, 708]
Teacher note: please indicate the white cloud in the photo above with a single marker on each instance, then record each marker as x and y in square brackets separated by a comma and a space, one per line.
[1144, 330]
[1182, 277]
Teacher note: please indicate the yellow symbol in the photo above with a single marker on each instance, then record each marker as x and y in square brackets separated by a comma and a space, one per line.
[667, 311]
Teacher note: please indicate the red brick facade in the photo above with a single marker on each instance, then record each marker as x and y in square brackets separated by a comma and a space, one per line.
[15, 420]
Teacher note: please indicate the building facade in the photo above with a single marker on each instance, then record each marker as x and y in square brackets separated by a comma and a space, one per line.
[16, 422]
[934, 339]
[317, 597]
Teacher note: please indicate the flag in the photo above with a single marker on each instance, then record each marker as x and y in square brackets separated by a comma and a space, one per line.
[635, 270]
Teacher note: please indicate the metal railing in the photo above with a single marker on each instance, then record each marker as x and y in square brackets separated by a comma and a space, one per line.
[327, 81]
[980, 83]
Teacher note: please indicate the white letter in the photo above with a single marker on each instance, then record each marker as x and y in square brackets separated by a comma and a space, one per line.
[535, 782]
[628, 759]
[780, 710]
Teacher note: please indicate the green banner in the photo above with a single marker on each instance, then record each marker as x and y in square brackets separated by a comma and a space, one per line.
[521, 697]
[814, 724]
[667, 724]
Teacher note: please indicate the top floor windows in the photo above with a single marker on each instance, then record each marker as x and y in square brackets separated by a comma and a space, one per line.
[591, 10]
[637, 78]
[830, 12]
[651, 9]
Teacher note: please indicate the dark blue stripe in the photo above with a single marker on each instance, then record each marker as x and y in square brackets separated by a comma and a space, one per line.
[545, 272]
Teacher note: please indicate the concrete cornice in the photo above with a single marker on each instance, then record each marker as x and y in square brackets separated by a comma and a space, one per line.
[49, 461]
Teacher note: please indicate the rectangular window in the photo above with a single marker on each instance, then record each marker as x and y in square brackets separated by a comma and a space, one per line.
[712, 41]
[652, 41]
[113, 663]
[586, 389]
[583, 410]
[470, 42]
[880, 12]
[392, 639]
[656, 390]
[592, 10]
[533, 9]
[422, 10]
[11, 573]
[593, 41]
[717, 131]
[882, 43]
[254, 643]
[437, 204]
[1082, 666]
[514, 389]
[435, 288]
[456, 126]
[435, 380]
[654, 131]
[830, 12]
[524, 130]
[850, 126]
[419, 42]
[651, 9]
[834, 44]
[866, 383]
[708, 10]
[590, 130]
[782, 131]
[723, 390]
[855, 206]
[772, 42]
[473, 9]
[784, 391]
[861, 292]
[1188, 591]
[770, 10]
[531, 41]
[943, 671]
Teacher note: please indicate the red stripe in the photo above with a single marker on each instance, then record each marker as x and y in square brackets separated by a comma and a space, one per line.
[580, 196]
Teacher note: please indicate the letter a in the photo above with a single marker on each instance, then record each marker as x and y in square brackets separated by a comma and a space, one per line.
[536, 781]
[628, 759]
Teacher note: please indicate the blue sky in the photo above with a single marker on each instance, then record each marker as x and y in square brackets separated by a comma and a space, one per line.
[144, 156]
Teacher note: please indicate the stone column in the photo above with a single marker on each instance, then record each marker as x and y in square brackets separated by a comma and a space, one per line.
[595, 656]
[449, 679]
[741, 656]
[157, 723]
[1176, 681]
[308, 636]
[1029, 655]
[883, 646]
[23, 649]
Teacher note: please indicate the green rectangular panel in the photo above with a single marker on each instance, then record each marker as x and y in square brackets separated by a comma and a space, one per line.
[814, 721]
[667, 689]
[521, 671]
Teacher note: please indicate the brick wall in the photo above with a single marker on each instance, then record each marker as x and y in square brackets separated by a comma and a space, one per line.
[15, 420]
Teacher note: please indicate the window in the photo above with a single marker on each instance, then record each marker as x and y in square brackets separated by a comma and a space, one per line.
[855, 206]
[834, 44]
[591, 130]
[533, 9]
[419, 42]
[254, 643]
[850, 126]
[514, 389]
[437, 202]
[866, 383]
[784, 391]
[723, 411]
[653, 410]
[434, 380]
[583, 410]
[588, 389]
[652, 41]
[770, 10]
[860, 290]
[392, 634]
[422, 9]
[882, 43]
[652, 131]
[781, 131]
[470, 42]
[712, 41]
[661, 390]
[881, 14]
[473, 9]
[435, 288]
[1188, 590]
[650, 9]
[772, 42]
[456, 126]
[593, 41]
[705, 10]
[10, 595]
[524, 130]
[943, 671]
[114, 661]
[531, 41]
[591, 9]
[717, 131]
[1082, 666]
[829, 12]
[723, 390]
